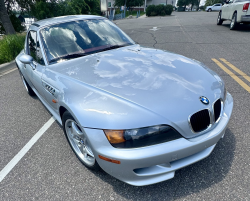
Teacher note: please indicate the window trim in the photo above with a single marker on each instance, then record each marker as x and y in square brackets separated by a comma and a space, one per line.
[28, 49]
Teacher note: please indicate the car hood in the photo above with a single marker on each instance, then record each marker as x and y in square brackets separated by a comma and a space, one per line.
[164, 83]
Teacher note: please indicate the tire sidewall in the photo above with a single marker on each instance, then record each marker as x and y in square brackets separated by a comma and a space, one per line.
[66, 115]
[235, 22]
[219, 22]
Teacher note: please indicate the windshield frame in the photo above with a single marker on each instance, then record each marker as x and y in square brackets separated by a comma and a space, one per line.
[47, 62]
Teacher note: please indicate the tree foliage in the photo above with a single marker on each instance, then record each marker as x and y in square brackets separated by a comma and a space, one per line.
[129, 3]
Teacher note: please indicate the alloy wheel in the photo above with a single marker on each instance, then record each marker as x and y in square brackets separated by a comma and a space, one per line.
[79, 142]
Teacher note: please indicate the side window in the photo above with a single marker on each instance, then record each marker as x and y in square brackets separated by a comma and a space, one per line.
[32, 44]
[34, 48]
[39, 53]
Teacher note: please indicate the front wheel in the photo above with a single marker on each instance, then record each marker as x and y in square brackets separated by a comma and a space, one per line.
[234, 24]
[78, 141]
[219, 20]
[209, 10]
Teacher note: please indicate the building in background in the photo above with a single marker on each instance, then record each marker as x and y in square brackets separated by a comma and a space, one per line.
[149, 2]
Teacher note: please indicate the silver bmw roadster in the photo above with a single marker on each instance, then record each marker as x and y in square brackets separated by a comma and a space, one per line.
[138, 113]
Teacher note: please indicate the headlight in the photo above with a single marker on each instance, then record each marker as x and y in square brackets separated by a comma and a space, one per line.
[141, 137]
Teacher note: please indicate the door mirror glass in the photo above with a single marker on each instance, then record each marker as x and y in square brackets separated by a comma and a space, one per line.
[26, 59]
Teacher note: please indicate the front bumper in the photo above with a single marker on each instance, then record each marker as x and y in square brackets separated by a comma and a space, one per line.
[152, 164]
[245, 18]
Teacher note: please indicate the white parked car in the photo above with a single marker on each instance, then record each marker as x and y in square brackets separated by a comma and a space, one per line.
[215, 7]
[235, 10]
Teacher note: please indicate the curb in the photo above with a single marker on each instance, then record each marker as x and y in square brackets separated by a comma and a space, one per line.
[7, 66]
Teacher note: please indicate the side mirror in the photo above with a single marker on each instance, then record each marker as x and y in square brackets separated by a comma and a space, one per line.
[26, 59]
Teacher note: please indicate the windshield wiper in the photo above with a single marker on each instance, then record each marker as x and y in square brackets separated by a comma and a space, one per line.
[111, 47]
[68, 56]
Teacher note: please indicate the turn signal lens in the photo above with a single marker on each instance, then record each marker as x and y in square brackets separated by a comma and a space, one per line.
[141, 137]
[115, 136]
[109, 160]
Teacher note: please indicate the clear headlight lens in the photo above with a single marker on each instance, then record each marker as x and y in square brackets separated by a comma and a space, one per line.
[141, 137]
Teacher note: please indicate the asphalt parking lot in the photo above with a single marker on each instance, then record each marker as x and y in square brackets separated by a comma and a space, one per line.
[50, 170]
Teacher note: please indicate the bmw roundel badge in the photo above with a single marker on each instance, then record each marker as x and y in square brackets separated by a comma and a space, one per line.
[204, 100]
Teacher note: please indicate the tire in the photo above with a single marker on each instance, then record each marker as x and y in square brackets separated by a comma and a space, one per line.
[78, 142]
[209, 10]
[26, 85]
[219, 20]
[234, 24]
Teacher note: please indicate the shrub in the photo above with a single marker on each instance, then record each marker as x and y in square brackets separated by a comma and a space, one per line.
[168, 9]
[150, 9]
[163, 13]
[10, 47]
[161, 10]
[153, 14]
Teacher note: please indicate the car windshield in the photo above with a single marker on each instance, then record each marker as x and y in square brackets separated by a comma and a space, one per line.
[79, 38]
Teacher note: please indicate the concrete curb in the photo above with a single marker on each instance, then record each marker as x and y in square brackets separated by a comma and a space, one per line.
[7, 66]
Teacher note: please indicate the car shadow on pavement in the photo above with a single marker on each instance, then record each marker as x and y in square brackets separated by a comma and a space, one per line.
[241, 27]
[192, 179]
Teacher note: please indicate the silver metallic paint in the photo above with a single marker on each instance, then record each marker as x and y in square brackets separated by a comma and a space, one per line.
[133, 87]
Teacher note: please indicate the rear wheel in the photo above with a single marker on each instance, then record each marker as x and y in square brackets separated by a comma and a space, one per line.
[78, 141]
[234, 24]
[219, 20]
[26, 85]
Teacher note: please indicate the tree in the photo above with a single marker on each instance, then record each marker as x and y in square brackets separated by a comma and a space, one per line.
[45, 9]
[5, 20]
[182, 3]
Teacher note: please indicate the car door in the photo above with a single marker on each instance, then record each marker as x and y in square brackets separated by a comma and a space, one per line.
[35, 70]
[217, 7]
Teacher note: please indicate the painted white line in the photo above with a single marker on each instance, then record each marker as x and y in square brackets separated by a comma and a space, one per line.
[7, 72]
[25, 149]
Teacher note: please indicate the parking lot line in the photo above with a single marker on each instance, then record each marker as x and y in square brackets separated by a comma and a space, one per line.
[5, 171]
[7, 72]
[236, 69]
[240, 82]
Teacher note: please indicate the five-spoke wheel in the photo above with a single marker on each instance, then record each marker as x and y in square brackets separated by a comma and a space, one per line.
[78, 141]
